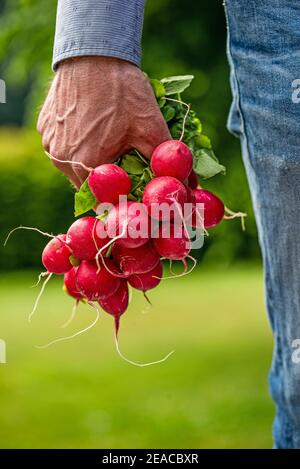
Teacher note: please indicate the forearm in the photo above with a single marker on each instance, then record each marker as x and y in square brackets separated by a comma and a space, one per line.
[111, 28]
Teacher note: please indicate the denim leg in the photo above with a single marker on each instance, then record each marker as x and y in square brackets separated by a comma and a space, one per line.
[264, 56]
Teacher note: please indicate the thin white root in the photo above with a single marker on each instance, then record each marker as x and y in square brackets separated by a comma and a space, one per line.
[107, 245]
[202, 221]
[185, 272]
[179, 208]
[184, 122]
[231, 215]
[79, 163]
[73, 314]
[114, 274]
[27, 228]
[61, 339]
[188, 106]
[171, 267]
[93, 235]
[194, 264]
[130, 294]
[141, 365]
[39, 297]
[42, 274]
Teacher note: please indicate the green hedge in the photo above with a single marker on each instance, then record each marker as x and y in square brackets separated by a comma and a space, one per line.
[32, 193]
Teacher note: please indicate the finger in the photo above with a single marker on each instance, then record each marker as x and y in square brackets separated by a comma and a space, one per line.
[155, 131]
[46, 110]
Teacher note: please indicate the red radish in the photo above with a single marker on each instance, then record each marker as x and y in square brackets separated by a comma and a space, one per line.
[189, 207]
[85, 237]
[70, 284]
[135, 260]
[190, 195]
[213, 208]
[164, 190]
[172, 242]
[172, 158]
[56, 256]
[130, 221]
[148, 280]
[107, 182]
[117, 304]
[193, 180]
[94, 284]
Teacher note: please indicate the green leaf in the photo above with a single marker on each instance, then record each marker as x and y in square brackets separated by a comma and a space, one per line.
[206, 164]
[168, 112]
[132, 164]
[176, 84]
[84, 199]
[158, 88]
[197, 123]
[161, 102]
[147, 176]
[203, 141]
[135, 181]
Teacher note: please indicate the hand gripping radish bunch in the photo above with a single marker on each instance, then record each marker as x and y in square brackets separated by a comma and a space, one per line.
[138, 206]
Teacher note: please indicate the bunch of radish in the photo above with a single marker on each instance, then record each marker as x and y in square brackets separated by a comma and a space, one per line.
[139, 218]
[102, 256]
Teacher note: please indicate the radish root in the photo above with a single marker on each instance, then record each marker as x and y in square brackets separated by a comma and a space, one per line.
[79, 163]
[61, 339]
[202, 221]
[73, 314]
[188, 106]
[141, 365]
[185, 272]
[107, 245]
[41, 275]
[27, 228]
[39, 297]
[114, 274]
[147, 298]
[230, 215]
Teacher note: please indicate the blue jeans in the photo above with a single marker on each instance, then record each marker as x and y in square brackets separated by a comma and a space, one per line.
[264, 56]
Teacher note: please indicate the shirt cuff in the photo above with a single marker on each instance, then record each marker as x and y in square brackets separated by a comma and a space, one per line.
[111, 28]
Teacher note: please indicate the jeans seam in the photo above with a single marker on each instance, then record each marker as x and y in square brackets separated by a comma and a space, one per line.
[238, 93]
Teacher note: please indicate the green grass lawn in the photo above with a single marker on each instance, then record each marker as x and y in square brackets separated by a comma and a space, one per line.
[212, 393]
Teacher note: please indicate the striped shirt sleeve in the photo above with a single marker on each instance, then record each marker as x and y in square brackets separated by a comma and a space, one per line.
[99, 27]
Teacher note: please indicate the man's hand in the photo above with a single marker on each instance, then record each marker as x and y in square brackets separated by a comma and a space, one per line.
[97, 109]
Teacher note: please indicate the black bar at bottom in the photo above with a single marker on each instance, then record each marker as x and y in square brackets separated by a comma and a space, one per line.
[151, 457]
